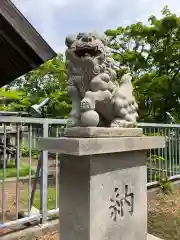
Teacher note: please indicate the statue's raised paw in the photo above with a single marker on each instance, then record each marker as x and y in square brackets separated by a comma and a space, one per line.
[87, 104]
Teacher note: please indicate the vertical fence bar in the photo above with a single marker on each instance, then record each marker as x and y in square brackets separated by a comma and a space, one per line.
[166, 150]
[17, 167]
[159, 162]
[44, 177]
[169, 152]
[177, 152]
[154, 161]
[151, 164]
[173, 147]
[162, 150]
[147, 131]
[30, 167]
[57, 169]
[4, 175]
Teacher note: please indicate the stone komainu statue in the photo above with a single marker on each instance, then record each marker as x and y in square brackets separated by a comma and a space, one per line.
[97, 97]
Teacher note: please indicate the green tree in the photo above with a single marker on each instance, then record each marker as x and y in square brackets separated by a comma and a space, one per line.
[152, 55]
[49, 80]
[12, 100]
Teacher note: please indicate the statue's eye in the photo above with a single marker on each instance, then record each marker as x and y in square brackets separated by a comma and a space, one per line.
[80, 35]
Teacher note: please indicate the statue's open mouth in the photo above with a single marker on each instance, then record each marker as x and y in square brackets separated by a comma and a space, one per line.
[87, 52]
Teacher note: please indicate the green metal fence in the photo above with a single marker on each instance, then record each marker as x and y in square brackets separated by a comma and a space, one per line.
[162, 163]
[39, 186]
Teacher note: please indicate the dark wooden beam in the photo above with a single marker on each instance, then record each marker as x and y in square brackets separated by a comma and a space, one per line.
[25, 30]
[11, 43]
[22, 47]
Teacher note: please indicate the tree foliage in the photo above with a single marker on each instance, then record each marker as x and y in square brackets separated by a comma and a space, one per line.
[49, 80]
[152, 55]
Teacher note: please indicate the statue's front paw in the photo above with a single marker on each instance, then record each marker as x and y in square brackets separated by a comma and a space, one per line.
[87, 104]
[72, 122]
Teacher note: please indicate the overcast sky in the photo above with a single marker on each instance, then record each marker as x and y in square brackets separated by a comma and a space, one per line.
[54, 19]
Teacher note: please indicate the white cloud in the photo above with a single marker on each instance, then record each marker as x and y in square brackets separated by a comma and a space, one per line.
[54, 19]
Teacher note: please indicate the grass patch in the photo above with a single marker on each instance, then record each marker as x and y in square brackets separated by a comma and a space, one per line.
[25, 151]
[11, 171]
[51, 199]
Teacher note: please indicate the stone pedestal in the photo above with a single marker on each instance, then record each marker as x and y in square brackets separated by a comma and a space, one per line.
[103, 186]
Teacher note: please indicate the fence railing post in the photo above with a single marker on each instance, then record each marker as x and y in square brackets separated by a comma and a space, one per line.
[44, 178]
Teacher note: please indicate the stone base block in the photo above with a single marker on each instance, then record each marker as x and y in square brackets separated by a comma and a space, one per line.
[103, 194]
[93, 132]
[91, 146]
[103, 197]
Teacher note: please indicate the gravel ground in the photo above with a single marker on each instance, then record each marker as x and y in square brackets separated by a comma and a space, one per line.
[51, 236]
[10, 203]
[164, 215]
[10, 197]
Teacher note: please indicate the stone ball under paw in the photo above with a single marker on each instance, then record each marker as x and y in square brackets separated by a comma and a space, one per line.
[90, 118]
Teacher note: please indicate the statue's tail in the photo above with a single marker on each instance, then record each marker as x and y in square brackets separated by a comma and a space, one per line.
[126, 79]
[126, 86]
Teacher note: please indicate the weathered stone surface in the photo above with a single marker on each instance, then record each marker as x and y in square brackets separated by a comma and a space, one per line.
[103, 194]
[98, 97]
[88, 146]
[91, 185]
[94, 132]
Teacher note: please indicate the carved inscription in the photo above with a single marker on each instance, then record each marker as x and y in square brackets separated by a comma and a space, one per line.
[119, 203]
